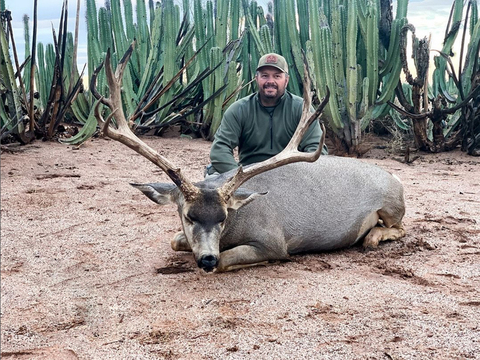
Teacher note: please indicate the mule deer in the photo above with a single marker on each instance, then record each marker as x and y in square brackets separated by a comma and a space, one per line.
[292, 203]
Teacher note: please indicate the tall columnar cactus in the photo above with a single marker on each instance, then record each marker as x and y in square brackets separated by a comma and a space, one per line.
[26, 32]
[234, 16]
[170, 67]
[392, 67]
[118, 29]
[41, 77]
[142, 35]
[352, 70]
[152, 61]
[347, 54]
[93, 45]
[322, 48]
[221, 20]
[303, 23]
[128, 20]
[289, 47]
[296, 67]
[266, 39]
[200, 31]
[217, 80]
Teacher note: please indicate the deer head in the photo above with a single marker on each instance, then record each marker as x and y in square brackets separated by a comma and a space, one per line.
[204, 206]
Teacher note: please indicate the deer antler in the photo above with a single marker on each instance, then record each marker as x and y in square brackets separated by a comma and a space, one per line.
[290, 154]
[122, 133]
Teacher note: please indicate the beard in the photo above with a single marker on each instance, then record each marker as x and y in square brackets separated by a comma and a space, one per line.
[270, 91]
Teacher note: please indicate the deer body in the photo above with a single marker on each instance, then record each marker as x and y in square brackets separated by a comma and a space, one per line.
[318, 206]
[308, 207]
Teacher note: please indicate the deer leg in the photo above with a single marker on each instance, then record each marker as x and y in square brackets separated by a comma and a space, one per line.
[244, 256]
[180, 243]
[392, 229]
[378, 234]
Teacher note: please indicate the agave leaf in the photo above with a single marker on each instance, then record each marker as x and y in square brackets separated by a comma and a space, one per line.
[87, 130]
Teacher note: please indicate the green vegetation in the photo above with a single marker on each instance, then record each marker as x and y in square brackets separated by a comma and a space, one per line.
[190, 63]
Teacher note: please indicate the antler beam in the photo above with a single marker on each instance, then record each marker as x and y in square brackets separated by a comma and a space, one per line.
[123, 133]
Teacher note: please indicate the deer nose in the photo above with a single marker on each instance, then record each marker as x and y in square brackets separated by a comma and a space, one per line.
[208, 263]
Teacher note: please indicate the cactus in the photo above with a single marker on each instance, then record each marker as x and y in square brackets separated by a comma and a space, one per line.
[296, 68]
[371, 44]
[8, 85]
[128, 20]
[216, 83]
[26, 73]
[284, 42]
[437, 126]
[323, 62]
[304, 25]
[266, 39]
[93, 49]
[151, 62]
[142, 35]
[472, 51]
[255, 36]
[345, 56]
[41, 78]
[121, 41]
[200, 31]
[234, 19]
[169, 41]
[393, 66]
[221, 19]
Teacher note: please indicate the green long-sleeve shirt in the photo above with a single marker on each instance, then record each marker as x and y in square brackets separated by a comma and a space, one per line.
[258, 133]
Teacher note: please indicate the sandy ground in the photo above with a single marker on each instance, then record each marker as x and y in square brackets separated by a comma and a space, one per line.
[87, 271]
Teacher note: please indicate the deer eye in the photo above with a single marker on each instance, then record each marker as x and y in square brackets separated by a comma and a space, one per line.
[223, 220]
[189, 220]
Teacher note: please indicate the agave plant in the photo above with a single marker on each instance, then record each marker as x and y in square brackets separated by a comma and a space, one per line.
[23, 113]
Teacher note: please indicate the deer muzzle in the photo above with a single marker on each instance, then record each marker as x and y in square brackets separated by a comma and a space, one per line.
[208, 263]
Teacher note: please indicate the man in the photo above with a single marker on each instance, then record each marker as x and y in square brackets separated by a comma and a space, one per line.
[261, 124]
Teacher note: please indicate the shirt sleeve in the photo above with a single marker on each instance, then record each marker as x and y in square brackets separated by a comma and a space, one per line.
[226, 139]
[312, 137]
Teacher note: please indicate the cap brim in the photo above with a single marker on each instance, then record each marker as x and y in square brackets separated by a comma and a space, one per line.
[271, 65]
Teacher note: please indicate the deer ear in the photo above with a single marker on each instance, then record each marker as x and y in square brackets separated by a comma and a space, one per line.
[160, 193]
[243, 197]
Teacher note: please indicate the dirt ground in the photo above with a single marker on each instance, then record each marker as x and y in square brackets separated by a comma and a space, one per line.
[87, 271]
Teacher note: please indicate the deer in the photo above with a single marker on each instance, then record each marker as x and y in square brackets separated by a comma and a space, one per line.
[292, 203]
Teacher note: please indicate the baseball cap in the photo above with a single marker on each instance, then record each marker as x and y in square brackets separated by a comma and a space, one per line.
[274, 60]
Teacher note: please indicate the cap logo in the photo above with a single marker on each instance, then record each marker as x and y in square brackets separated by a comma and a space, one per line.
[271, 59]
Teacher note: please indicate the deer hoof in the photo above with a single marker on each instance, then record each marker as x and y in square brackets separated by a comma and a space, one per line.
[180, 243]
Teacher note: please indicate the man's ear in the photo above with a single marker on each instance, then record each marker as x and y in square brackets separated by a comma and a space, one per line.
[243, 197]
[161, 193]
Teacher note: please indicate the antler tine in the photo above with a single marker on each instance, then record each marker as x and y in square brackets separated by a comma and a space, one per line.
[290, 154]
[123, 133]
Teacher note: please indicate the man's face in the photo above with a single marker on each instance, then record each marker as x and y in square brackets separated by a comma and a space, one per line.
[271, 82]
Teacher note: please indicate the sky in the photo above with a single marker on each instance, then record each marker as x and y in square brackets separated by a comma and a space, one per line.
[428, 16]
